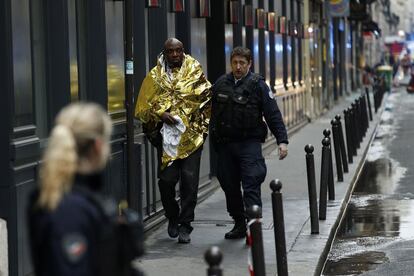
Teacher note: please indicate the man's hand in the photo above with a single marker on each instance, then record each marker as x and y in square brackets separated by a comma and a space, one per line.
[167, 118]
[283, 151]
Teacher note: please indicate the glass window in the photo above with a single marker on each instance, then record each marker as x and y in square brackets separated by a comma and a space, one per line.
[256, 50]
[279, 58]
[267, 57]
[228, 37]
[115, 57]
[22, 67]
[289, 59]
[73, 51]
[39, 67]
[278, 7]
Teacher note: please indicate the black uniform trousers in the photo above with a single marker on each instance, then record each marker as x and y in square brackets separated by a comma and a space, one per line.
[241, 165]
[187, 172]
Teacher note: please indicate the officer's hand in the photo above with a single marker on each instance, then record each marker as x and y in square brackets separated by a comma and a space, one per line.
[167, 118]
[283, 151]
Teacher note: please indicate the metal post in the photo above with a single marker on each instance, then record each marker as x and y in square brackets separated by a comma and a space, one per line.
[349, 143]
[355, 125]
[324, 179]
[342, 143]
[338, 160]
[213, 257]
[279, 228]
[331, 186]
[129, 103]
[366, 115]
[362, 121]
[255, 227]
[313, 204]
[352, 131]
[369, 103]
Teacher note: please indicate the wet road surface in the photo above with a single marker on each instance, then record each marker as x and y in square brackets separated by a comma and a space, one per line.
[376, 235]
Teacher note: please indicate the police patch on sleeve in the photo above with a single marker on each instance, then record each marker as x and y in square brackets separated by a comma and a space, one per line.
[271, 95]
[74, 247]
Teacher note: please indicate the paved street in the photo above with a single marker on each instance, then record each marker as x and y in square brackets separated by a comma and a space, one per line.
[305, 251]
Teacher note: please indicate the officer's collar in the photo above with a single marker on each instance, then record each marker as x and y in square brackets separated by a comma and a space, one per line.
[93, 181]
[231, 77]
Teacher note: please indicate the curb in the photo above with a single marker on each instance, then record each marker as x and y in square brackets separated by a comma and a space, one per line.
[346, 199]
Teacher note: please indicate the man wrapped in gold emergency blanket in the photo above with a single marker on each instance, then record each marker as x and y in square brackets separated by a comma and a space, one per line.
[183, 92]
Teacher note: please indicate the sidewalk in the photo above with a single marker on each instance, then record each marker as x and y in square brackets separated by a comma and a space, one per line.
[306, 252]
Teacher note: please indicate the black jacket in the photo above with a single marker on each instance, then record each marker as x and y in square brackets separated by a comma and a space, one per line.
[79, 238]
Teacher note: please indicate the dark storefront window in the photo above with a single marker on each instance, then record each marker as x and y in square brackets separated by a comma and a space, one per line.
[279, 59]
[115, 56]
[299, 19]
[267, 56]
[73, 51]
[295, 42]
[39, 69]
[22, 67]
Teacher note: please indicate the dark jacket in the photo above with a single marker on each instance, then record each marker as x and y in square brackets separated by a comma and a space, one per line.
[80, 237]
[267, 108]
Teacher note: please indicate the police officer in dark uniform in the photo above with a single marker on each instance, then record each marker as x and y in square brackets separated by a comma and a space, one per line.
[73, 230]
[240, 101]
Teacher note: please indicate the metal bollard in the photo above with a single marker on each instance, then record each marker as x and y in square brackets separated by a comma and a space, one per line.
[364, 126]
[279, 228]
[352, 131]
[338, 160]
[313, 204]
[342, 144]
[361, 119]
[355, 125]
[365, 119]
[369, 103]
[366, 112]
[256, 238]
[324, 179]
[213, 258]
[349, 143]
[331, 186]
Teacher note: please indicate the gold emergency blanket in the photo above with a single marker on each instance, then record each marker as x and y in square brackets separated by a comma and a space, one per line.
[186, 94]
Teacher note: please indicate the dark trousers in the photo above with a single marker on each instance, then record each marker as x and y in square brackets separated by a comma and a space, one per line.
[187, 172]
[241, 165]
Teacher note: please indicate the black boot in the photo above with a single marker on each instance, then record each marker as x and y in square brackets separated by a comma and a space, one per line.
[239, 230]
[173, 227]
[184, 232]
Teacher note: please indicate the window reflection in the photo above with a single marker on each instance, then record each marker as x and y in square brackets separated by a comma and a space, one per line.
[73, 55]
[22, 72]
[115, 56]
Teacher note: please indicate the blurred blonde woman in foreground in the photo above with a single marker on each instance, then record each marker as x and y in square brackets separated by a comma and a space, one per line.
[73, 230]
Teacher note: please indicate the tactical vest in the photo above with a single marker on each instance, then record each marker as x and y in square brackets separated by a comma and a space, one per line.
[237, 110]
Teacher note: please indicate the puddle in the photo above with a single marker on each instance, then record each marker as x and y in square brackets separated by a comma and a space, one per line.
[374, 219]
[355, 264]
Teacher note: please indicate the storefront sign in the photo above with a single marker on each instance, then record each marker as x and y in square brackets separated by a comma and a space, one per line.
[233, 12]
[204, 8]
[177, 5]
[248, 15]
[153, 3]
[260, 19]
[339, 8]
[282, 24]
[271, 21]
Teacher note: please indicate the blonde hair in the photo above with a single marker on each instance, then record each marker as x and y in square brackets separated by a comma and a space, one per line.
[77, 127]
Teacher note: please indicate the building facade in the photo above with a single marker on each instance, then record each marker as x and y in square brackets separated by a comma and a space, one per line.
[55, 52]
